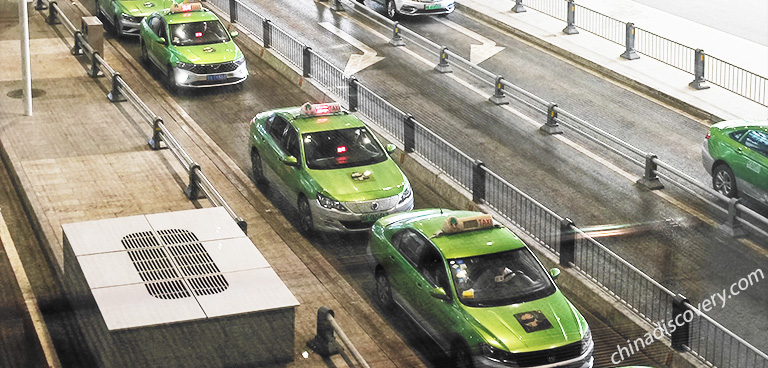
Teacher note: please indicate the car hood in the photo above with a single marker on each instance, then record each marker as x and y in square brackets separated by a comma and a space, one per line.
[209, 54]
[551, 321]
[143, 8]
[362, 182]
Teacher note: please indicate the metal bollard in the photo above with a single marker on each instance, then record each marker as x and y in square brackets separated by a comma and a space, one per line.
[324, 343]
[266, 30]
[499, 97]
[681, 336]
[630, 53]
[443, 66]
[567, 243]
[732, 226]
[232, 11]
[52, 5]
[478, 182]
[650, 180]
[571, 27]
[397, 39]
[698, 71]
[115, 95]
[94, 71]
[306, 67]
[77, 49]
[353, 101]
[242, 225]
[192, 191]
[336, 6]
[40, 5]
[518, 8]
[552, 126]
[409, 133]
[156, 142]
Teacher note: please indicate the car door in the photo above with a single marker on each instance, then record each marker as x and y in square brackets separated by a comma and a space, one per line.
[291, 175]
[755, 164]
[270, 150]
[439, 314]
[403, 276]
[154, 49]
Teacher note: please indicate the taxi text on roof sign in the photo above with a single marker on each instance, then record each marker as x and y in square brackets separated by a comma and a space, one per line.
[456, 225]
[185, 7]
[319, 109]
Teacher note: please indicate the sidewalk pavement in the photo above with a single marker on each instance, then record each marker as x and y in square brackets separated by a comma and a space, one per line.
[81, 157]
[650, 76]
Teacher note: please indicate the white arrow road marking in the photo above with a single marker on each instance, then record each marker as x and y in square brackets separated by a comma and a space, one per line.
[356, 62]
[477, 53]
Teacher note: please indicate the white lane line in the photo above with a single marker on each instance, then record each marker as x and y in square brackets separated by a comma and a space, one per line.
[477, 53]
[29, 296]
[356, 62]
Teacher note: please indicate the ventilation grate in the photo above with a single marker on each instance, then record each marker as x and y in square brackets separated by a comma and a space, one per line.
[159, 263]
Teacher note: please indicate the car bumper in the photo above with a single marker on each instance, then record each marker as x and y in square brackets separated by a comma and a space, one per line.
[419, 8]
[128, 28]
[328, 220]
[586, 360]
[706, 158]
[186, 78]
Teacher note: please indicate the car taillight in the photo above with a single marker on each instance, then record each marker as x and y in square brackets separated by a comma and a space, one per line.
[707, 135]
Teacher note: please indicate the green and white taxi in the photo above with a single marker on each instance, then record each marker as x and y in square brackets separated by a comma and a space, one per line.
[736, 154]
[330, 165]
[191, 46]
[477, 290]
[126, 15]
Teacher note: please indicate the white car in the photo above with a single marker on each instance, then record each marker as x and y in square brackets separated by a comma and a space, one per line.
[415, 7]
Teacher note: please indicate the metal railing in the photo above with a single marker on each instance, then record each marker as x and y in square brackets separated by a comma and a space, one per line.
[647, 297]
[120, 91]
[325, 343]
[694, 61]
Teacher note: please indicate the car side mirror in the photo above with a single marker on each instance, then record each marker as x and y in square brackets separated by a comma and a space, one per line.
[391, 148]
[439, 293]
[555, 272]
[291, 161]
[161, 41]
[233, 34]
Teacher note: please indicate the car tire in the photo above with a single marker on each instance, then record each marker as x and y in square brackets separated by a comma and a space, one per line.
[257, 168]
[460, 355]
[392, 10]
[143, 54]
[306, 225]
[170, 83]
[115, 27]
[384, 290]
[724, 181]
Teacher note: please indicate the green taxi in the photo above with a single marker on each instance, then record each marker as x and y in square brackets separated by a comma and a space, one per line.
[475, 288]
[191, 47]
[126, 15]
[735, 153]
[327, 163]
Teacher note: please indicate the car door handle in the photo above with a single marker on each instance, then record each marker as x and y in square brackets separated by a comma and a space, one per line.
[418, 285]
[739, 150]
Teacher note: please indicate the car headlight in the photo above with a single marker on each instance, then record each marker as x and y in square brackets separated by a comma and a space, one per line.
[131, 18]
[240, 61]
[330, 203]
[498, 355]
[586, 341]
[407, 193]
[185, 66]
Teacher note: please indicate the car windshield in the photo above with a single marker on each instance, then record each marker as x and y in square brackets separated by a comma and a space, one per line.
[336, 149]
[503, 278]
[198, 33]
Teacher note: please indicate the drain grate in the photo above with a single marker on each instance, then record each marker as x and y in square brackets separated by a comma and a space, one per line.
[159, 262]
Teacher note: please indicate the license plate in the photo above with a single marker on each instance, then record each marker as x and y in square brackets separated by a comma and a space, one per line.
[371, 217]
[432, 6]
[217, 77]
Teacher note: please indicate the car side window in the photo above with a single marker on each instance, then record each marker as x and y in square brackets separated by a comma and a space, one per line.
[412, 246]
[276, 127]
[432, 268]
[757, 141]
[161, 32]
[737, 135]
[290, 142]
[154, 24]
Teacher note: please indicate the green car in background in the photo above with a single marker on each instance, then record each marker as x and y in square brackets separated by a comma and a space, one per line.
[735, 153]
[329, 165]
[191, 47]
[477, 290]
[126, 15]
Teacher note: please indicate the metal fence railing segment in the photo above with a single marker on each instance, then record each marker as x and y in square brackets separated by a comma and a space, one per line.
[602, 25]
[665, 50]
[734, 78]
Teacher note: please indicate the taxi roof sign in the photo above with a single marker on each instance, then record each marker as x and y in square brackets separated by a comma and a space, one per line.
[185, 7]
[454, 225]
[309, 109]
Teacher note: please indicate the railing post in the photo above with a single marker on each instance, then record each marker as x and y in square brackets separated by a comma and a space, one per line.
[499, 97]
[650, 179]
[77, 49]
[242, 225]
[115, 95]
[156, 141]
[232, 11]
[324, 343]
[409, 133]
[478, 182]
[630, 53]
[698, 71]
[267, 30]
[732, 226]
[397, 39]
[518, 8]
[93, 72]
[52, 13]
[552, 127]
[681, 336]
[443, 66]
[571, 17]
[353, 101]
[567, 243]
[40, 5]
[192, 191]
[336, 6]
[306, 61]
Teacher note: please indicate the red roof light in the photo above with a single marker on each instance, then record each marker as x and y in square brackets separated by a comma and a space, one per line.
[341, 149]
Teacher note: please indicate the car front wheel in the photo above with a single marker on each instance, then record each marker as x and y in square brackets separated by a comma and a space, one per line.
[384, 290]
[460, 356]
[724, 181]
[258, 170]
[305, 217]
[391, 10]
[170, 81]
[143, 56]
